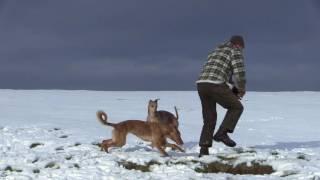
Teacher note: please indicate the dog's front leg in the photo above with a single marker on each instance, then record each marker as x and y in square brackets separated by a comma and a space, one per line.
[162, 151]
[174, 147]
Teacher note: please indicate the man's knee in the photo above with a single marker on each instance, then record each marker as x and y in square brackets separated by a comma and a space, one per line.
[238, 107]
[241, 108]
[209, 123]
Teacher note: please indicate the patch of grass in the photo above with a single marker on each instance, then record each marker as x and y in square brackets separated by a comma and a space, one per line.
[302, 156]
[64, 136]
[241, 150]
[59, 148]
[168, 163]
[76, 166]
[68, 157]
[33, 145]
[56, 129]
[77, 144]
[176, 163]
[255, 168]
[274, 153]
[35, 160]
[218, 167]
[36, 171]
[52, 165]
[133, 166]
[9, 168]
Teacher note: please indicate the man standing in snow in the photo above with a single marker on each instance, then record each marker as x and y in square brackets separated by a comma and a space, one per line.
[224, 65]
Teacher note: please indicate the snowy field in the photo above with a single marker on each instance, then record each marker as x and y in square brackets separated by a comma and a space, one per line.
[54, 135]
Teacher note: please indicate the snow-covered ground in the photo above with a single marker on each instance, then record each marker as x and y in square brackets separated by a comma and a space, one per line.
[53, 135]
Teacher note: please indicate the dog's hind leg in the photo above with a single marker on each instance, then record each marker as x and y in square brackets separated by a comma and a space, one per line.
[105, 145]
[118, 138]
[174, 147]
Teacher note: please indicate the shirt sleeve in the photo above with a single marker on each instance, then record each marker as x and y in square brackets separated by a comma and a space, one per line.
[238, 69]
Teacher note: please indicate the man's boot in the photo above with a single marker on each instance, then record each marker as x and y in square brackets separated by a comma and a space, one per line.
[204, 151]
[222, 136]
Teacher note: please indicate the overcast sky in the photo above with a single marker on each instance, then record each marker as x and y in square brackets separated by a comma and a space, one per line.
[155, 45]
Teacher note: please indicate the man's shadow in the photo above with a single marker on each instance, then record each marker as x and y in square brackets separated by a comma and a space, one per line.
[278, 145]
[290, 145]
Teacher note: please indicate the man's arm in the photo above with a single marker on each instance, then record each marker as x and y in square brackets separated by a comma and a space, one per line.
[238, 70]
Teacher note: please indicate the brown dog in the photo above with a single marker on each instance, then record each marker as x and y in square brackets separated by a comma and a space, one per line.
[161, 116]
[154, 132]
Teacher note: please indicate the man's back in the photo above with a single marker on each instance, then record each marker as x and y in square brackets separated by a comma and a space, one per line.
[222, 63]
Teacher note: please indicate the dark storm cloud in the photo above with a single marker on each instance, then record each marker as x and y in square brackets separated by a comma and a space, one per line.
[154, 45]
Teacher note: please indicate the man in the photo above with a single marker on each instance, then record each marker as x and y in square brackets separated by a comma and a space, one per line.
[224, 64]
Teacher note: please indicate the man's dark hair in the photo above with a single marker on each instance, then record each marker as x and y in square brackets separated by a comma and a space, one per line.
[236, 39]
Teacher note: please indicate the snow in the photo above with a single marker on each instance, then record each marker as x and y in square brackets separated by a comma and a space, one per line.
[50, 134]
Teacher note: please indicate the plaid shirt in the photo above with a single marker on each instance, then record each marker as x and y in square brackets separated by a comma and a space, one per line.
[223, 63]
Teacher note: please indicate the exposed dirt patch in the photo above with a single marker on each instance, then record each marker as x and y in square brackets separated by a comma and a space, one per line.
[253, 168]
[144, 168]
[243, 168]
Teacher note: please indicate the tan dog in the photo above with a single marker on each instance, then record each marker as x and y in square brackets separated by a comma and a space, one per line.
[161, 116]
[154, 132]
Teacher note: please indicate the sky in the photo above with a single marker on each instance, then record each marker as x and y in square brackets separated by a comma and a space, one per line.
[155, 45]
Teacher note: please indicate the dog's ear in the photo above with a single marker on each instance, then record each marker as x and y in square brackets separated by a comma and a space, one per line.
[156, 100]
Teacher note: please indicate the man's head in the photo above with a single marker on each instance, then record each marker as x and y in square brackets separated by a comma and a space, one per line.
[237, 41]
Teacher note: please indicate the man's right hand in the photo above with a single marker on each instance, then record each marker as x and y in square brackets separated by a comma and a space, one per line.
[241, 93]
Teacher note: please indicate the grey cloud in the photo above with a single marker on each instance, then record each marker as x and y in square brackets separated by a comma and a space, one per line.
[153, 45]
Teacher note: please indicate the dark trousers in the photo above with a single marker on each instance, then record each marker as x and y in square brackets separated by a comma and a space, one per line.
[211, 94]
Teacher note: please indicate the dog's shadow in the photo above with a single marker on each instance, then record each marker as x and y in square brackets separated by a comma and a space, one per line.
[172, 153]
[139, 147]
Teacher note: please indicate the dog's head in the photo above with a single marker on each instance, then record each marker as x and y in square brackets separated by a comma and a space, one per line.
[174, 134]
[175, 123]
[152, 106]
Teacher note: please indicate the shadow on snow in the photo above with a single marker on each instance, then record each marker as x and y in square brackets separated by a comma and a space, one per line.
[290, 145]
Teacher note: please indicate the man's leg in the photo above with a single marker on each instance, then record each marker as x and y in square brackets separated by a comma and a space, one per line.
[234, 110]
[209, 114]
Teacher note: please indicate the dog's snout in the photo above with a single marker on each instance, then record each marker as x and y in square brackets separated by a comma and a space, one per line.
[180, 142]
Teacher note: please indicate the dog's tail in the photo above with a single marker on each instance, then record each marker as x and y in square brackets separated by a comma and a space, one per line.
[102, 117]
[177, 115]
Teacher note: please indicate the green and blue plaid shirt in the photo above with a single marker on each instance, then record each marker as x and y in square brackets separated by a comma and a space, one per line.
[224, 63]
